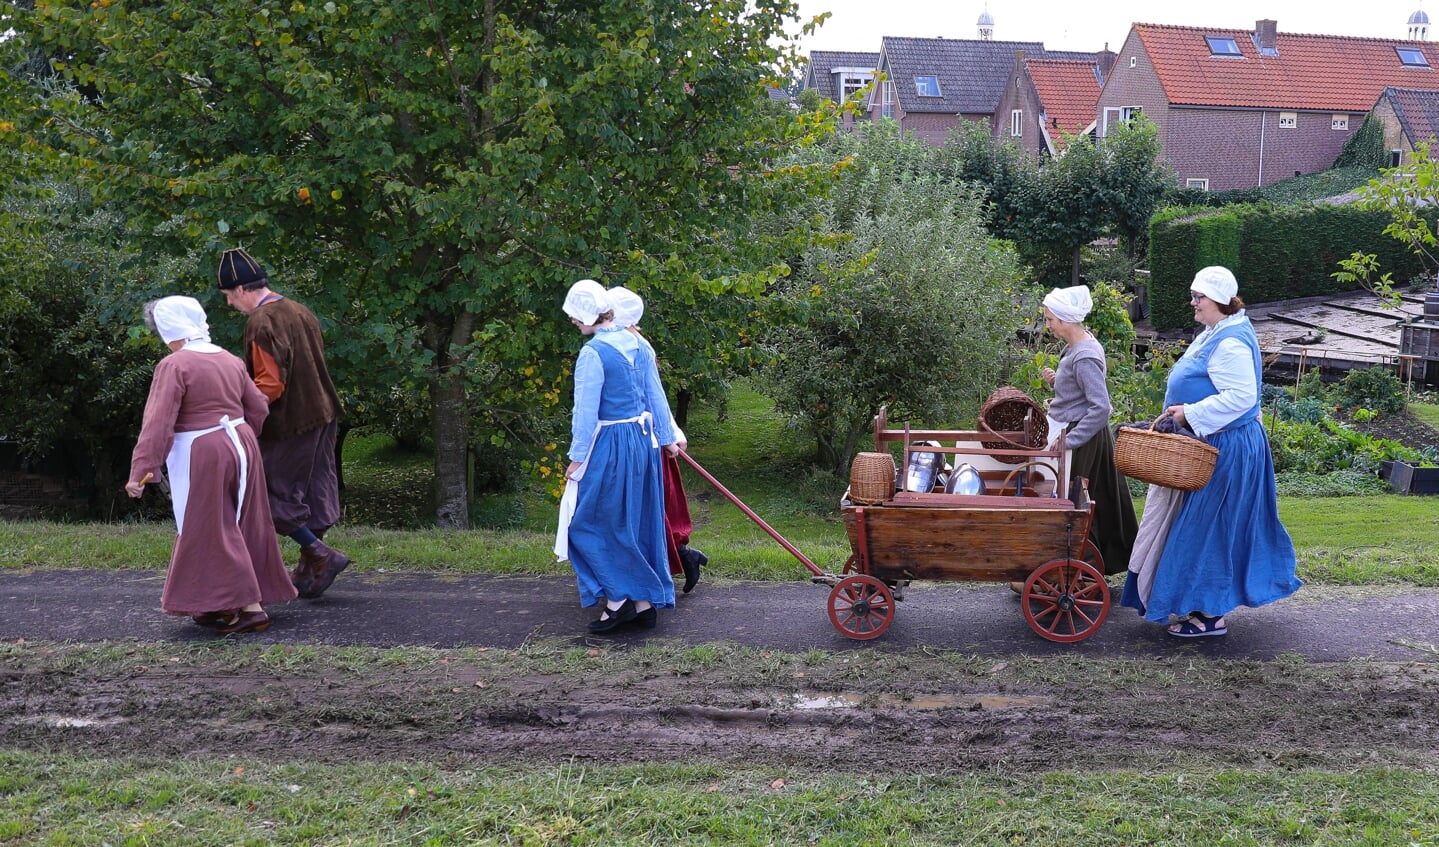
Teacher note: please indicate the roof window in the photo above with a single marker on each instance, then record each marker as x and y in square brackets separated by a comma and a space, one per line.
[1222, 45]
[1412, 57]
[927, 86]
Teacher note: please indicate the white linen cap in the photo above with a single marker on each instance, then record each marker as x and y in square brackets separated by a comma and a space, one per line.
[586, 301]
[629, 307]
[1217, 283]
[180, 318]
[1070, 305]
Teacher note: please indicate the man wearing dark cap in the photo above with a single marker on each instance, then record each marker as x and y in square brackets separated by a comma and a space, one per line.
[286, 357]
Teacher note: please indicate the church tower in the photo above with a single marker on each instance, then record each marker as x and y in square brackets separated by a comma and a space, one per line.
[1419, 26]
[986, 25]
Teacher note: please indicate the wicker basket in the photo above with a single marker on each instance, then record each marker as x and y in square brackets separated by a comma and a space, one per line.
[1010, 410]
[1162, 458]
[871, 478]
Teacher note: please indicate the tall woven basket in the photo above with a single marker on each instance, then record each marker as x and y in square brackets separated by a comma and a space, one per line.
[871, 478]
[1163, 458]
[1010, 410]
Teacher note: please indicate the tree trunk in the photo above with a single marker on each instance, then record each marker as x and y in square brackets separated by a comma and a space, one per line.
[451, 426]
[682, 407]
[1074, 267]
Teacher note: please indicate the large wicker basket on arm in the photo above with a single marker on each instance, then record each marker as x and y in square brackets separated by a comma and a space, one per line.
[1010, 410]
[1163, 458]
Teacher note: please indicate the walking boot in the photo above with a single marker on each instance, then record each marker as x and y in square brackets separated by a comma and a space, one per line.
[322, 564]
[691, 560]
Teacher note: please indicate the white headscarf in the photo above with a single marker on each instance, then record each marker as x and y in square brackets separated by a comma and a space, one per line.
[586, 301]
[629, 307]
[1070, 305]
[1217, 283]
[180, 318]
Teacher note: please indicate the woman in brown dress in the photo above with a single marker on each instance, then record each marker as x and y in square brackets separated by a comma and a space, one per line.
[202, 420]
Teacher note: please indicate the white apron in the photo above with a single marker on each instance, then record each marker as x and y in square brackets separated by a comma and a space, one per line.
[572, 485]
[177, 464]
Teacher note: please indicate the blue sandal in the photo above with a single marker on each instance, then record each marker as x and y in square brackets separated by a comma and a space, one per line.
[1198, 626]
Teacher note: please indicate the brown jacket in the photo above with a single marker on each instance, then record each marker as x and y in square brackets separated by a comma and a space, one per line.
[290, 334]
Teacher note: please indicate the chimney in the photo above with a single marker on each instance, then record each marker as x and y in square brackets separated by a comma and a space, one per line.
[1105, 59]
[1264, 34]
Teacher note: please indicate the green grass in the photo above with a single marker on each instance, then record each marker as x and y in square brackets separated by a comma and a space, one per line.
[244, 798]
[1426, 412]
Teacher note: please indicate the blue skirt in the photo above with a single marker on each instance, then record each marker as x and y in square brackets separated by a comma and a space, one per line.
[617, 536]
[1226, 547]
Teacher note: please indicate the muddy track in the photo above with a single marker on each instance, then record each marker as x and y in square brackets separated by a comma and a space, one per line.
[918, 719]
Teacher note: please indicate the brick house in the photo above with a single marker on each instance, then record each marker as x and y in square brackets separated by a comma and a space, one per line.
[1045, 100]
[1409, 117]
[931, 84]
[1241, 109]
[839, 75]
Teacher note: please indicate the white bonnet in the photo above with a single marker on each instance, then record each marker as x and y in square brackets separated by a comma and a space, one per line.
[586, 301]
[1070, 305]
[1217, 283]
[180, 319]
[629, 307]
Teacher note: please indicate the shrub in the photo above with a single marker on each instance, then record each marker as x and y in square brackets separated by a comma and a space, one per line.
[1371, 388]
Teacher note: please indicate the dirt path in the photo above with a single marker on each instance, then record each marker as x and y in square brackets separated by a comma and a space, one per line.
[962, 685]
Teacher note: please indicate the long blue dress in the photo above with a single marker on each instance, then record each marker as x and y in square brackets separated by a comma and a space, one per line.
[617, 535]
[1226, 547]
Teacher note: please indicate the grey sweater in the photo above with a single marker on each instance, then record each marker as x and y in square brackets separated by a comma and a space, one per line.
[1081, 397]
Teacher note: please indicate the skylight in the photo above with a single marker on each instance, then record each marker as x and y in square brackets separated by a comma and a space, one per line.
[1222, 45]
[927, 86]
[1411, 57]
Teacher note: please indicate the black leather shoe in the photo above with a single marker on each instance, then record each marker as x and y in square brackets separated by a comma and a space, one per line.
[691, 560]
[647, 619]
[613, 619]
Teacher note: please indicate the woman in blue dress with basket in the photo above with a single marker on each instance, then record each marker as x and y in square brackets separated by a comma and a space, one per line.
[1200, 554]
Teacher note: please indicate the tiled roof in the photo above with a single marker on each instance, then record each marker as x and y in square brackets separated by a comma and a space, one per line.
[1069, 93]
[1418, 112]
[971, 73]
[821, 62]
[1321, 72]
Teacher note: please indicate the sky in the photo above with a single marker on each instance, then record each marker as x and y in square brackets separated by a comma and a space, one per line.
[1087, 26]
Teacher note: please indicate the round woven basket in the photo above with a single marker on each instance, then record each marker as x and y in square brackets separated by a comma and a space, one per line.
[1163, 458]
[1010, 410]
[871, 478]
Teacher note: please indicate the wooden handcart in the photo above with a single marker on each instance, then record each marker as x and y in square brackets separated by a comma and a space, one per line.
[1030, 526]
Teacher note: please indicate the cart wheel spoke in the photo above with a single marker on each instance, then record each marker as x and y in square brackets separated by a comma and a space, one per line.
[861, 607]
[1066, 600]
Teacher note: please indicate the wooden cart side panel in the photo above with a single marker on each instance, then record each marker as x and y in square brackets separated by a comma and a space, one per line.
[964, 544]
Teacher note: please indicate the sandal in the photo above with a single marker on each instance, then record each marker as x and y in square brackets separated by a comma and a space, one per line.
[1198, 626]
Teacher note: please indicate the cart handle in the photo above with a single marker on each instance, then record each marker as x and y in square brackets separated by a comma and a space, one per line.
[751, 515]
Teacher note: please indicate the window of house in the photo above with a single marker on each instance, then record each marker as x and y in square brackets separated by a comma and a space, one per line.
[1134, 61]
[1222, 45]
[851, 85]
[886, 99]
[1412, 57]
[1201, 184]
[1339, 122]
[926, 86]
[1395, 158]
[1016, 123]
[1128, 113]
[1288, 120]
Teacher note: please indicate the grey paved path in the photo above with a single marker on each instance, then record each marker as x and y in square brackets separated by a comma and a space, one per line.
[1323, 624]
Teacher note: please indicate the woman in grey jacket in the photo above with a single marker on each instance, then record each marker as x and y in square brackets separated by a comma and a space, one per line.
[1080, 408]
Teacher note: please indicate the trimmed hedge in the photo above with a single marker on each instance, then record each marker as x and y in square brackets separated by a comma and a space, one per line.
[1277, 252]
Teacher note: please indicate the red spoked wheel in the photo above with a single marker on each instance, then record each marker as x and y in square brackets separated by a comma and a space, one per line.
[1066, 600]
[861, 607]
[851, 565]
